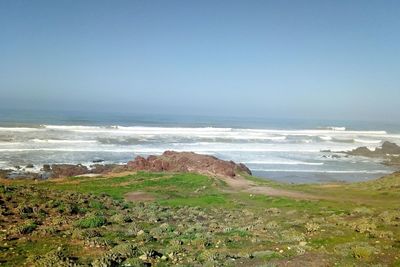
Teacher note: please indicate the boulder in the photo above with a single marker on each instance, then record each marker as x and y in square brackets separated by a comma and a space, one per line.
[173, 161]
[387, 148]
[103, 168]
[67, 170]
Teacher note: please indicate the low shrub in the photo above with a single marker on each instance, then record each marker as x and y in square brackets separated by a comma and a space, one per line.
[91, 221]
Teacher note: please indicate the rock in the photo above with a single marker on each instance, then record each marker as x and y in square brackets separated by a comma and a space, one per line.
[100, 169]
[46, 168]
[188, 162]
[4, 173]
[67, 170]
[387, 148]
[29, 166]
[169, 161]
[98, 160]
[22, 175]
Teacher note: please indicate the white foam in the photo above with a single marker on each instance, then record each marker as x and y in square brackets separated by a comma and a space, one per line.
[19, 129]
[326, 171]
[9, 143]
[261, 162]
[56, 141]
[282, 148]
[335, 128]
[210, 131]
[365, 141]
[66, 149]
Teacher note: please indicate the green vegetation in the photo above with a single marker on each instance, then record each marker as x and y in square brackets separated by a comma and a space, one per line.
[91, 221]
[194, 220]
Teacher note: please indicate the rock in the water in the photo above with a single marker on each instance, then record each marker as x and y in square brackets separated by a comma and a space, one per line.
[46, 168]
[188, 162]
[387, 148]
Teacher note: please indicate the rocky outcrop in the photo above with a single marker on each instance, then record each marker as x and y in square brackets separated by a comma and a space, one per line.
[387, 149]
[388, 152]
[4, 174]
[169, 161]
[188, 162]
[105, 168]
[68, 170]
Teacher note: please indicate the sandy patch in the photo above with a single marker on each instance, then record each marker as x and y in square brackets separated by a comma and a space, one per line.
[139, 196]
[269, 191]
[90, 175]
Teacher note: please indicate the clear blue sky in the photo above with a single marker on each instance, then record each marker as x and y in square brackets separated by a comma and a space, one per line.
[320, 59]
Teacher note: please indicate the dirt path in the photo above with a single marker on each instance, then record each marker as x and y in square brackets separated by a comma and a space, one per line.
[270, 191]
[239, 183]
[139, 196]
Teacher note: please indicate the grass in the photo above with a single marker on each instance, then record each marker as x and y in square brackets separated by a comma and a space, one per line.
[91, 221]
[194, 219]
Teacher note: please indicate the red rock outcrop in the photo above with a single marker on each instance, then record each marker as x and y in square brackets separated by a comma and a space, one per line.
[188, 162]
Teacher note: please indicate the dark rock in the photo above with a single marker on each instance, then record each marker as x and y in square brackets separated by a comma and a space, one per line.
[100, 168]
[4, 173]
[67, 170]
[98, 160]
[44, 175]
[46, 168]
[361, 151]
[387, 148]
[22, 175]
[188, 162]
[29, 166]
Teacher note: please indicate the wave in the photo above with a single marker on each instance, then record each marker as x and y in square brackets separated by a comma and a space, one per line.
[325, 138]
[261, 162]
[326, 171]
[365, 141]
[9, 143]
[178, 130]
[64, 149]
[156, 134]
[159, 150]
[334, 128]
[57, 141]
[19, 129]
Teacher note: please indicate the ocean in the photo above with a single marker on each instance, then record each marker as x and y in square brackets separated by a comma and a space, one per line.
[294, 151]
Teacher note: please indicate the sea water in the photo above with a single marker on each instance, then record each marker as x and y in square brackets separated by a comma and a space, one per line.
[298, 151]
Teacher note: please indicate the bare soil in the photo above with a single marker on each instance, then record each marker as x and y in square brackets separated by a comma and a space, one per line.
[139, 196]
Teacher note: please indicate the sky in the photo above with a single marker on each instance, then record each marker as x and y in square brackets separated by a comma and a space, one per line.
[294, 59]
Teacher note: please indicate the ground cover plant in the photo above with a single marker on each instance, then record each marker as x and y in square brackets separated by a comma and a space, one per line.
[167, 219]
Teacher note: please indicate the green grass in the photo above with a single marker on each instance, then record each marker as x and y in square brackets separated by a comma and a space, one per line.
[92, 221]
[203, 217]
[196, 201]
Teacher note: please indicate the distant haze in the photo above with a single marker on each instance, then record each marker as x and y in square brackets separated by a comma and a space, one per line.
[320, 59]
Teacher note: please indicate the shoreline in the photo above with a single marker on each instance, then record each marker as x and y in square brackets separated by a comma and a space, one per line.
[98, 167]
